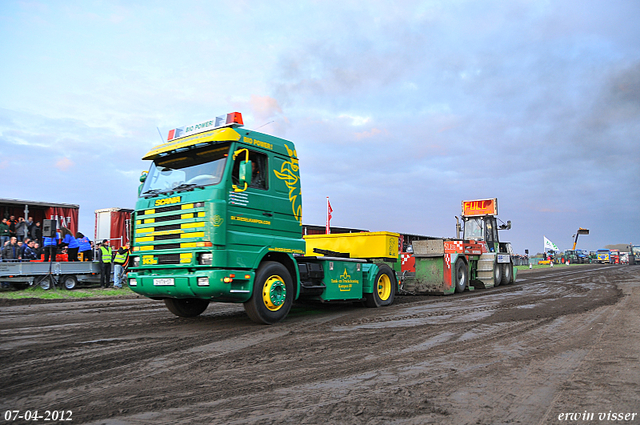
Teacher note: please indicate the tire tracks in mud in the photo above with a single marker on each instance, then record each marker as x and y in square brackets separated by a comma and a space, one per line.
[342, 363]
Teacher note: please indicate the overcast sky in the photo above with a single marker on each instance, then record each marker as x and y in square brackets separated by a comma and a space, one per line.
[399, 110]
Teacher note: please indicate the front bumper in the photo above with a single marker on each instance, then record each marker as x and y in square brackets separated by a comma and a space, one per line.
[221, 285]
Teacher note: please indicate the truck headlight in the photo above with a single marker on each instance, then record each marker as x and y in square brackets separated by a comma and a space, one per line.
[133, 282]
[136, 261]
[205, 258]
[203, 281]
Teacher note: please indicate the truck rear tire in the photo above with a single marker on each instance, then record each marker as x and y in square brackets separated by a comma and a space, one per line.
[383, 289]
[461, 275]
[272, 294]
[188, 307]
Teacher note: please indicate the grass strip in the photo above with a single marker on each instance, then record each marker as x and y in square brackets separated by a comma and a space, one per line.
[60, 294]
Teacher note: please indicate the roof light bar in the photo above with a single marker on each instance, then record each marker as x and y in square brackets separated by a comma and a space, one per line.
[233, 119]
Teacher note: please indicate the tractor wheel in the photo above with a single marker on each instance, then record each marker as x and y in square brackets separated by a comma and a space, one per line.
[507, 274]
[497, 274]
[188, 307]
[383, 289]
[461, 275]
[272, 294]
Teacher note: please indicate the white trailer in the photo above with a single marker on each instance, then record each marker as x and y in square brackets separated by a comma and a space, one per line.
[65, 274]
[113, 224]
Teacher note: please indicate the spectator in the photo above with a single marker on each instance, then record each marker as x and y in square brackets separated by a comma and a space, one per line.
[11, 251]
[37, 250]
[36, 232]
[50, 247]
[104, 257]
[4, 233]
[120, 263]
[84, 245]
[12, 225]
[24, 246]
[71, 243]
[21, 229]
[28, 253]
[30, 224]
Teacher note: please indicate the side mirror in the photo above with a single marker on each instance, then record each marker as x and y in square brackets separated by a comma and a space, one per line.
[143, 176]
[246, 171]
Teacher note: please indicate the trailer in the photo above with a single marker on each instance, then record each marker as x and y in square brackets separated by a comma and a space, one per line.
[65, 215]
[113, 224]
[67, 274]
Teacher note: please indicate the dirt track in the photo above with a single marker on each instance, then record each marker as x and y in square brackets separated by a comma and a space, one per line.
[565, 340]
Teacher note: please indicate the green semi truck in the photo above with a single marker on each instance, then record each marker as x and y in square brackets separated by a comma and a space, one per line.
[218, 218]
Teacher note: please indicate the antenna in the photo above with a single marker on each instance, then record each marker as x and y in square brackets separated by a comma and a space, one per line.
[160, 134]
[266, 124]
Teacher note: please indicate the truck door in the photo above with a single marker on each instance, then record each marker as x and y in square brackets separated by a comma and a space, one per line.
[249, 208]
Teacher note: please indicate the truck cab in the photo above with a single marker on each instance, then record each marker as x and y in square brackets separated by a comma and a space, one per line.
[217, 203]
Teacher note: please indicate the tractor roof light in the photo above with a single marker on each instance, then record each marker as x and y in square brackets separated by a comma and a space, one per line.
[233, 119]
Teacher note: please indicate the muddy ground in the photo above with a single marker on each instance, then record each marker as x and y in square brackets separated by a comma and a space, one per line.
[558, 341]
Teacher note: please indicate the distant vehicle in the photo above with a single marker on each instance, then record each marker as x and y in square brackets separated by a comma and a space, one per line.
[583, 256]
[604, 256]
[634, 256]
[614, 256]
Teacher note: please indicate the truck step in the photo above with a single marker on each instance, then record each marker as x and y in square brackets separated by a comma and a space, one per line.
[311, 289]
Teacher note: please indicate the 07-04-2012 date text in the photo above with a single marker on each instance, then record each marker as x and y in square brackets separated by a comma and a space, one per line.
[38, 415]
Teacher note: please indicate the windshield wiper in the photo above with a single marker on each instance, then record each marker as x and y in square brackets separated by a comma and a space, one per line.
[151, 192]
[185, 187]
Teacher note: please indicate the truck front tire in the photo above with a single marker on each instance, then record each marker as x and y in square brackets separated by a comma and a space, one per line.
[272, 294]
[188, 307]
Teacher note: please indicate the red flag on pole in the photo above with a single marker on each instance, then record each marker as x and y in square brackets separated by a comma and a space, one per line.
[329, 211]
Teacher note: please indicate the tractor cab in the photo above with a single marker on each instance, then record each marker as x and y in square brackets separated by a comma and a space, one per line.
[479, 222]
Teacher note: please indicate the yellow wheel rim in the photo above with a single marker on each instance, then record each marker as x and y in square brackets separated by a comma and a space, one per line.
[384, 287]
[274, 293]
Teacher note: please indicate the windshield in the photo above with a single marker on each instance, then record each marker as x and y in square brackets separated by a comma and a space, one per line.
[186, 170]
[473, 228]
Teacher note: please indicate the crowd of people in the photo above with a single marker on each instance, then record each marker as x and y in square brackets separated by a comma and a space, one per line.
[22, 240]
[19, 228]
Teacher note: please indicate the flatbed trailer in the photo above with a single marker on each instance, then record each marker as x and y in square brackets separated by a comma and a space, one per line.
[66, 273]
